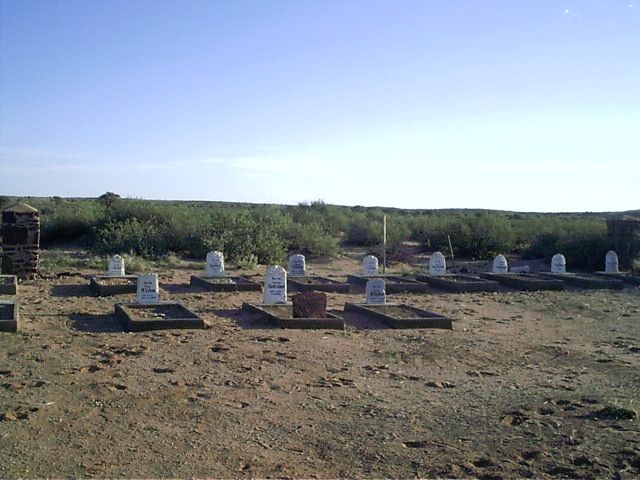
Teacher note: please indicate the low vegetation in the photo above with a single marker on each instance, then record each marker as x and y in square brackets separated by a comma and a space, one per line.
[250, 234]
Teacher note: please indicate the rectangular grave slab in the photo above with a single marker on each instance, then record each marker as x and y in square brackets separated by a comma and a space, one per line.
[104, 285]
[8, 284]
[625, 277]
[585, 280]
[226, 284]
[459, 283]
[524, 281]
[393, 283]
[317, 283]
[8, 316]
[282, 315]
[397, 315]
[139, 317]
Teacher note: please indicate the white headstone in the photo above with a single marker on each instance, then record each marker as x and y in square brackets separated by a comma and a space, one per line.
[375, 291]
[500, 264]
[558, 264]
[275, 285]
[116, 266]
[370, 265]
[215, 264]
[611, 262]
[148, 290]
[437, 264]
[297, 266]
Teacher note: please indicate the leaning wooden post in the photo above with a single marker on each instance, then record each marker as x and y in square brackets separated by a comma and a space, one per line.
[384, 244]
[453, 259]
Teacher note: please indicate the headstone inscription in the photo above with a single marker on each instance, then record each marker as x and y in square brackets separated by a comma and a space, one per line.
[215, 264]
[148, 289]
[297, 266]
[115, 267]
[370, 265]
[500, 264]
[611, 262]
[437, 264]
[275, 285]
[558, 264]
[375, 292]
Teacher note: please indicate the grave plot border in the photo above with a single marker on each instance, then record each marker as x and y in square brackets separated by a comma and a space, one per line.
[282, 315]
[625, 277]
[422, 319]
[188, 321]
[9, 324]
[468, 284]
[240, 284]
[105, 290]
[393, 283]
[8, 284]
[327, 285]
[524, 281]
[585, 280]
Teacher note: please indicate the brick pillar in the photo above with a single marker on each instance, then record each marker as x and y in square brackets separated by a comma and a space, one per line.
[624, 236]
[20, 240]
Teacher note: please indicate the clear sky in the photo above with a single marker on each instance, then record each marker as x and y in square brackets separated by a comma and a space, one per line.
[530, 105]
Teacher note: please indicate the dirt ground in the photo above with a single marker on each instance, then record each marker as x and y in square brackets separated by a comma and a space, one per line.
[525, 385]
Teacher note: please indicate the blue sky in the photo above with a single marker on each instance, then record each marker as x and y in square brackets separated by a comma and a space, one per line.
[529, 105]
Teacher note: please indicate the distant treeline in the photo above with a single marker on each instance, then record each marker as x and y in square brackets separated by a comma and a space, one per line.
[267, 233]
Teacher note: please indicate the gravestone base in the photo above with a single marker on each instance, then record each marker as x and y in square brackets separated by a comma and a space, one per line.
[459, 283]
[524, 281]
[625, 277]
[584, 280]
[393, 283]
[225, 284]
[397, 315]
[319, 284]
[138, 317]
[8, 316]
[104, 285]
[282, 315]
[8, 285]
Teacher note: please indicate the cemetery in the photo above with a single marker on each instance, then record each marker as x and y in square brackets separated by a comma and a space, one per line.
[583, 280]
[394, 283]
[392, 314]
[115, 282]
[300, 281]
[520, 280]
[215, 280]
[536, 359]
[149, 313]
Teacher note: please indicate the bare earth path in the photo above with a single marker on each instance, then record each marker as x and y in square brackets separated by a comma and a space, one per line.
[524, 386]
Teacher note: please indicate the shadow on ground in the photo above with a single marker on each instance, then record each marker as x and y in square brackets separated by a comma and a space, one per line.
[71, 291]
[247, 320]
[360, 322]
[96, 323]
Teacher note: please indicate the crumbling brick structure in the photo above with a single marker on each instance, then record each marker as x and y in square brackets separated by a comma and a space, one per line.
[20, 240]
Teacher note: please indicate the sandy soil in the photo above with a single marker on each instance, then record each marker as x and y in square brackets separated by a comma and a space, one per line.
[526, 385]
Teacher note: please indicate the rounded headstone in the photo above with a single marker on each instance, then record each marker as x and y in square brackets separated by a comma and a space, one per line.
[375, 291]
[437, 264]
[611, 262]
[297, 266]
[558, 264]
[370, 265]
[116, 266]
[215, 264]
[275, 285]
[500, 264]
[148, 288]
